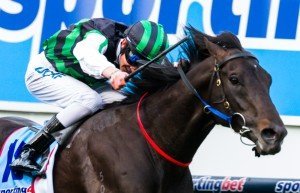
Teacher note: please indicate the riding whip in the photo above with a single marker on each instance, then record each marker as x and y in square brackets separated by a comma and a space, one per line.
[156, 58]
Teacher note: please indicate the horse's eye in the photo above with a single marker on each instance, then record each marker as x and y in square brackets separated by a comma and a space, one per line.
[234, 80]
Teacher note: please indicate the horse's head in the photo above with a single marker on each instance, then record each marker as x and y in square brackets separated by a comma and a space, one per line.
[239, 88]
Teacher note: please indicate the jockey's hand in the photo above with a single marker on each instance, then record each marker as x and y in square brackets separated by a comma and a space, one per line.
[117, 79]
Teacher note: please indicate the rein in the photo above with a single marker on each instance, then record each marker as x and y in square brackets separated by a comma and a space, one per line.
[208, 108]
[152, 142]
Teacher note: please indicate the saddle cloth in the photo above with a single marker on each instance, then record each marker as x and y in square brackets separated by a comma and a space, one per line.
[19, 182]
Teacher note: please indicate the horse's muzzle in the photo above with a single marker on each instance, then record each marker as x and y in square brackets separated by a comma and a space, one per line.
[270, 140]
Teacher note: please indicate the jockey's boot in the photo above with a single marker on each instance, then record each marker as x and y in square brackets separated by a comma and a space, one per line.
[36, 146]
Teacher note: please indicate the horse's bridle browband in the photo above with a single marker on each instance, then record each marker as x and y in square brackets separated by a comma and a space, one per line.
[208, 108]
[235, 56]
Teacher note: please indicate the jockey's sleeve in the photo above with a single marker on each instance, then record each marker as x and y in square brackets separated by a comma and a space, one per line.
[89, 52]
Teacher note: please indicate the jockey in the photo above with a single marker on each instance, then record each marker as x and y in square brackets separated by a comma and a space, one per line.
[81, 70]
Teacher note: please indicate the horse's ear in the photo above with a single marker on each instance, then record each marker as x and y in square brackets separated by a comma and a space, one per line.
[215, 50]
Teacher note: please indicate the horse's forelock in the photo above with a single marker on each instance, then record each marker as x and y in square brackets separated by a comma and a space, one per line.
[229, 41]
[196, 49]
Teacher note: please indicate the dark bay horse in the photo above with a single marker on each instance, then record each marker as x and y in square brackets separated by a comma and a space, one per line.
[146, 147]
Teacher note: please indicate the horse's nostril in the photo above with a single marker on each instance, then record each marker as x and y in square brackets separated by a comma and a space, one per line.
[268, 134]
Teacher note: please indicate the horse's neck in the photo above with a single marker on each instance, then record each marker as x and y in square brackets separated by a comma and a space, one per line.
[175, 117]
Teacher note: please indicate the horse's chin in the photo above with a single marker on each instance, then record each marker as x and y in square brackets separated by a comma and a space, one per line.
[263, 148]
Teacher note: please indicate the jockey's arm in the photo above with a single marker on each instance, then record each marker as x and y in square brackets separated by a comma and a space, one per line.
[89, 52]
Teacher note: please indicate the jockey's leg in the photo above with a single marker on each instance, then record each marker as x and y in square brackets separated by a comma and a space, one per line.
[77, 99]
[43, 139]
[36, 146]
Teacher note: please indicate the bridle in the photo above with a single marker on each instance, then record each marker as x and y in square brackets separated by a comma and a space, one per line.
[207, 108]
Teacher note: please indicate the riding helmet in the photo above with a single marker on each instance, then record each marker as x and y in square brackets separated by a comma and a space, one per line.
[146, 39]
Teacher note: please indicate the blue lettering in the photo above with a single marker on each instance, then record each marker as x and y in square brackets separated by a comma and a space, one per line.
[287, 186]
[287, 19]
[258, 18]
[209, 184]
[196, 20]
[46, 72]
[197, 184]
[55, 14]
[27, 15]
[295, 187]
[12, 152]
[140, 10]
[222, 17]
[168, 15]
[279, 186]
[217, 186]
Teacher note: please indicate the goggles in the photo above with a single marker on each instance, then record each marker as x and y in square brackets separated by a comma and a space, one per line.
[132, 58]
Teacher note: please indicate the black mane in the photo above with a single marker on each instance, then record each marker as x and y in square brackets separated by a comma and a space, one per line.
[195, 48]
[158, 76]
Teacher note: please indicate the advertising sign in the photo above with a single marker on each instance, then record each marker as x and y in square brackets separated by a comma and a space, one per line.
[269, 29]
[207, 184]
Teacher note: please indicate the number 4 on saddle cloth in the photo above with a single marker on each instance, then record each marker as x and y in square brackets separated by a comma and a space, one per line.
[16, 181]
